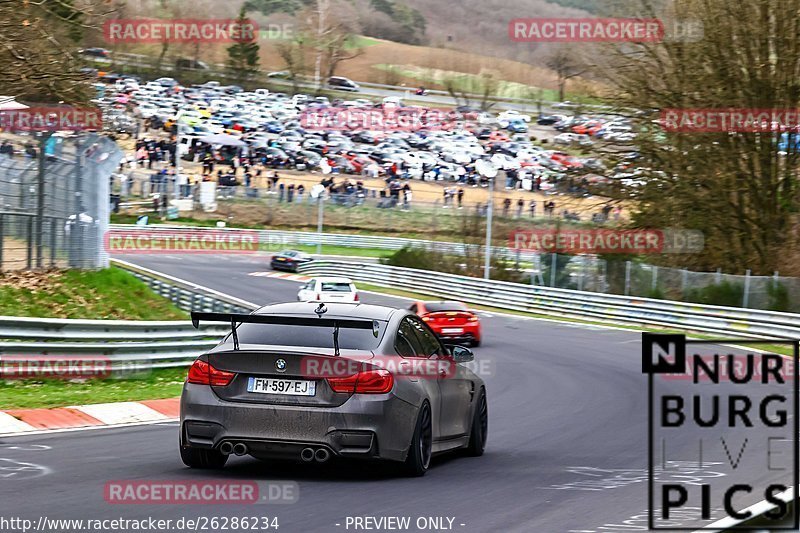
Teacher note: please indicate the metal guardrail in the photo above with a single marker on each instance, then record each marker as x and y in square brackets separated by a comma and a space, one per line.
[187, 296]
[745, 323]
[129, 345]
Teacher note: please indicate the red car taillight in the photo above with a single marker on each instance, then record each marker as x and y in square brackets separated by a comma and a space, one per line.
[377, 381]
[355, 298]
[202, 373]
[473, 318]
[426, 318]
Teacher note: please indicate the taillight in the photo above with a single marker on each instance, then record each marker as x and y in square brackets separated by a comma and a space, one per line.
[377, 381]
[319, 296]
[473, 318]
[427, 318]
[202, 373]
[355, 298]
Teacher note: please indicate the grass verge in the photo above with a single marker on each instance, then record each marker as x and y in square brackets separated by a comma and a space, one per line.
[111, 294]
[31, 394]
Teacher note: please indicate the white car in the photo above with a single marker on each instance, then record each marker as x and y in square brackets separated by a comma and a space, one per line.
[328, 289]
[506, 117]
[419, 159]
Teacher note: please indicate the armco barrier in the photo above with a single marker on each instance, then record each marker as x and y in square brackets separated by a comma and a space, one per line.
[128, 344]
[744, 323]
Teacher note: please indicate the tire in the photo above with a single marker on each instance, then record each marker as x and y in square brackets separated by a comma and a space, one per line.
[480, 427]
[475, 343]
[202, 458]
[420, 450]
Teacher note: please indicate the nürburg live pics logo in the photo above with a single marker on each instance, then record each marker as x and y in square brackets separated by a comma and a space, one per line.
[721, 403]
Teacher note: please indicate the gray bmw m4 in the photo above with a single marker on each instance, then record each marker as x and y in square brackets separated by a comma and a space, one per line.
[311, 382]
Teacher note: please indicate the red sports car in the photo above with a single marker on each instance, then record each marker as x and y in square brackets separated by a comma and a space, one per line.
[450, 321]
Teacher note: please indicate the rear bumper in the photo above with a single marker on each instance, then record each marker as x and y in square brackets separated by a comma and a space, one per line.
[280, 265]
[366, 426]
[469, 334]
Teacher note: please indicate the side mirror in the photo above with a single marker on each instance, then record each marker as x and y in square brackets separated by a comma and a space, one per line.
[461, 354]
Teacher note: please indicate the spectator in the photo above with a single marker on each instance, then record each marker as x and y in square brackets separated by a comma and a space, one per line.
[7, 149]
[533, 208]
[301, 189]
[506, 206]
[290, 193]
[460, 197]
[520, 207]
[406, 195]
[281, 190]
[511, 178]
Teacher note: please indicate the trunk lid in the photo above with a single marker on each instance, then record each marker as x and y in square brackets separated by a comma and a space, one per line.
[263, 374]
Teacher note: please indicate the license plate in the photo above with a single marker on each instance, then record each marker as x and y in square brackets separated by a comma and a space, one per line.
[452, 330]
[290, 387]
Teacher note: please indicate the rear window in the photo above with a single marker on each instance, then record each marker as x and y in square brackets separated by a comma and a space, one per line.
[307, 336]
[329, 286]
[438, 307]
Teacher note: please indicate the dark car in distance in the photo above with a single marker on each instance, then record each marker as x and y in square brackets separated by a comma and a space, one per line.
[289, 260]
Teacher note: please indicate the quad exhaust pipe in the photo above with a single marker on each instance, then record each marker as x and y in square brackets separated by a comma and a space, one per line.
[227, 448]
[320, 455]
[307, 455]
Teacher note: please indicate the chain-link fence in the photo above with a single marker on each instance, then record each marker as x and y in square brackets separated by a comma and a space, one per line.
[55, 202]
[633, 278]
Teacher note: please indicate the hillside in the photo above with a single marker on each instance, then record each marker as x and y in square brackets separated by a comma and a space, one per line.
[458, 37]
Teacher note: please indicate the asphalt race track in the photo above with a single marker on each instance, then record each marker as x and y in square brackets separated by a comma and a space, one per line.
[567, 448]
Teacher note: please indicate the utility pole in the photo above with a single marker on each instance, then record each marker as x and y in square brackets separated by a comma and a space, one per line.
[322, 7]
[488, 170]
[39, 227]
[489, 211]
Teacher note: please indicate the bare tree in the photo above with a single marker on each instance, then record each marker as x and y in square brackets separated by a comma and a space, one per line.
[293, 53]
[37, 57]
[739, 188]
[566, 64]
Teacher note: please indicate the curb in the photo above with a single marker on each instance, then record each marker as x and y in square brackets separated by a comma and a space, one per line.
[26, 421]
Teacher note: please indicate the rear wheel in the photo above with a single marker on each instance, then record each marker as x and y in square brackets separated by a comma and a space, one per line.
[475, 342]
[420, 451]
[202, 457]
[480, 427]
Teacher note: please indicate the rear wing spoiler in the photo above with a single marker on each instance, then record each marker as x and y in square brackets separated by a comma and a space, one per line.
[234, 319]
